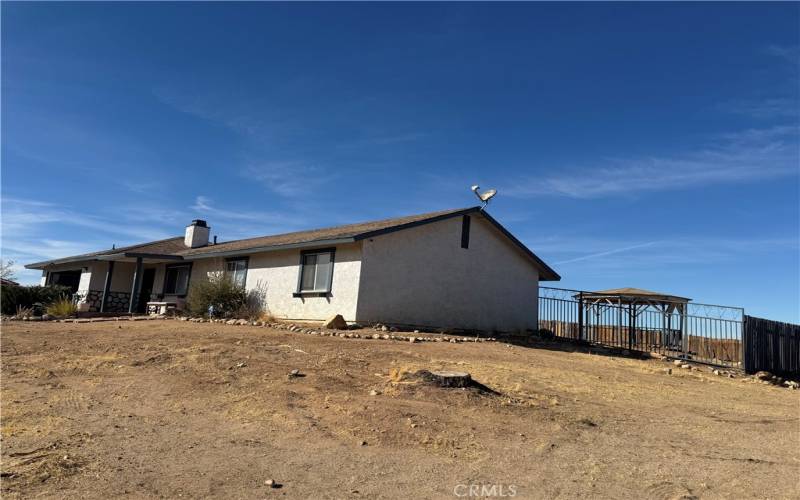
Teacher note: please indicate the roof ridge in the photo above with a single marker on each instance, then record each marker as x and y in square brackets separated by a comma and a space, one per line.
[422, 216]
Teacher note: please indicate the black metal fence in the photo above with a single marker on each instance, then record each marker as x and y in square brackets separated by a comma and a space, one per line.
[772, 346]
[701, 332]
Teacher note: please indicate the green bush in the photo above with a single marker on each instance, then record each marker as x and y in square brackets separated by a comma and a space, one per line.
[218, 296]
[14, 296]
[62, 307]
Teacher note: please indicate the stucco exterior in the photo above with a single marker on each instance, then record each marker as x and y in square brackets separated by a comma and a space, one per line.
[274, 275]
[421, 276]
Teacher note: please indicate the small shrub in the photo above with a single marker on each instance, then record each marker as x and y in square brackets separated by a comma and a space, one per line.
[256, 304]
[24, 312]
[62, 308]
[218, 297]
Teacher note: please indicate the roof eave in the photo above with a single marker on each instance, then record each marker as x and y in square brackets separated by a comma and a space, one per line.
[57, 262]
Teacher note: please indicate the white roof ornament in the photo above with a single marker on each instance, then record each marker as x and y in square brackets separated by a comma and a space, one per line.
[485, 196]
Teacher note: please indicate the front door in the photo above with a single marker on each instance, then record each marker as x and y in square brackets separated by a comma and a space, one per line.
[148, 277]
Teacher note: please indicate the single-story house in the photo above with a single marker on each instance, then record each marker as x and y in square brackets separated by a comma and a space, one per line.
[453, 269]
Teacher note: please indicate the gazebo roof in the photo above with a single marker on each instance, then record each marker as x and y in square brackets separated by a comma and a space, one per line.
[629, 295]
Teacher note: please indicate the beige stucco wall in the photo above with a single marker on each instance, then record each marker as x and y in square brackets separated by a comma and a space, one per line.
[422, 276]
[275, 275]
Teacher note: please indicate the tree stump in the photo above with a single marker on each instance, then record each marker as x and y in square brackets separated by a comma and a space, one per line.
[446, 379]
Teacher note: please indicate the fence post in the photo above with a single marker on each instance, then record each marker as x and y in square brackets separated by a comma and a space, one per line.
[580, 316]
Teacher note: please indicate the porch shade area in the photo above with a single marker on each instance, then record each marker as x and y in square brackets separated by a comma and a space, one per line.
[135, 299]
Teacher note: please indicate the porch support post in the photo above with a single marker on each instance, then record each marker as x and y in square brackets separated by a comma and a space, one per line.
[107, 285]
[137, 285]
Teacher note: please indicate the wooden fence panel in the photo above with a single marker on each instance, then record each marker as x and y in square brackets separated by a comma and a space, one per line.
[771, 346]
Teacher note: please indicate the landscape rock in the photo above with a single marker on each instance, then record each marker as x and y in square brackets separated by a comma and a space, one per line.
[762, 375]
[336, 322]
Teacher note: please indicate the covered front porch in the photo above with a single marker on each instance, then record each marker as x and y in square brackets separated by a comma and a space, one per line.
[120, 283]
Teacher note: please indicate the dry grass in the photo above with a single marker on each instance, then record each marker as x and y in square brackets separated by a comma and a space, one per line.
[167, 409]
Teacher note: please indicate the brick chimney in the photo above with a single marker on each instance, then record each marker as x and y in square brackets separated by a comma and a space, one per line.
[197, 234]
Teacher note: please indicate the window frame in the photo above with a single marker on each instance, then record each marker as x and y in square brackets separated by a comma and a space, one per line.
[167, 269]
[246, 260]
[315, 293]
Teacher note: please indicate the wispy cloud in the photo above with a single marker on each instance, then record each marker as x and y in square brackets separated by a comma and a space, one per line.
[784, 107]
[383, 140]
[748, 155]
[619, 257]
[25, 217]
[606, 253]
[244, 223]
[35, 230]
[790, 53]
[288, 178]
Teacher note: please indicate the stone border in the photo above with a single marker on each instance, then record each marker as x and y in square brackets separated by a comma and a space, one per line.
[347, 334]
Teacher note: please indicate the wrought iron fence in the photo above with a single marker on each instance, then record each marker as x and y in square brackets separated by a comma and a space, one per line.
[704, 333]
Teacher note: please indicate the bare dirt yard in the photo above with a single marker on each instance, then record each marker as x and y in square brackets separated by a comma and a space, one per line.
[167, 409]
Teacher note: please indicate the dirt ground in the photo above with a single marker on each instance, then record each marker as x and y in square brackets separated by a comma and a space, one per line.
[167, 409]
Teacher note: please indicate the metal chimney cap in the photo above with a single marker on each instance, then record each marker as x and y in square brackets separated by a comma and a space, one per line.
[199, 222]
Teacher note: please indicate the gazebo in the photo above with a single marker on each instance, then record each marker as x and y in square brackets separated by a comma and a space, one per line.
[652, 318]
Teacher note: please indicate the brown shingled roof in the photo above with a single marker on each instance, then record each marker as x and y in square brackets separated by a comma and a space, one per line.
[324, 234]
[174, 247]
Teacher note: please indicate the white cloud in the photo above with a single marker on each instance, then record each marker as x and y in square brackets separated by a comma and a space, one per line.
[235, 224]
[749, 155]
[288, 178]
[623, 256]
[790, 53]
[764, 108]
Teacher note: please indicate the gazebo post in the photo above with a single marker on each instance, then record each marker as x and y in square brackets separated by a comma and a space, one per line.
[684, 332]
[619, 321]
[668, 321]
[580, 316]
[631, 325]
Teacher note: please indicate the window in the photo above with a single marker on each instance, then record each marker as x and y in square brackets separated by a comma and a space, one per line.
[465, 231]
[316, 272]
[236, 269]
[176, 281]
[70, 279]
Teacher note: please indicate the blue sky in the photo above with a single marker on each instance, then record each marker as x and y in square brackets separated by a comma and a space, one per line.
[645, 145]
